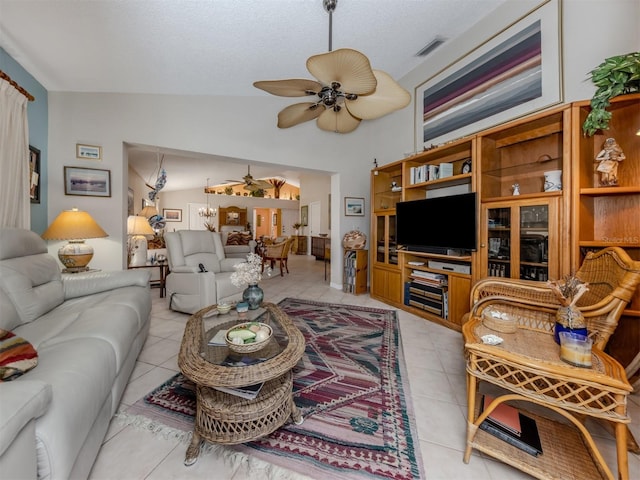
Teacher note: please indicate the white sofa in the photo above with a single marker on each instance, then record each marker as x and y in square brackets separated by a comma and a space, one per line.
[88, 330]
[189, 289]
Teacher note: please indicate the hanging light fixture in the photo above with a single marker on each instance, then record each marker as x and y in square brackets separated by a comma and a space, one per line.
[207, 212]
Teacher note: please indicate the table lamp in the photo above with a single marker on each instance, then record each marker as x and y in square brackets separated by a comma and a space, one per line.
[138, 229]
[148, 211]
[76, 226]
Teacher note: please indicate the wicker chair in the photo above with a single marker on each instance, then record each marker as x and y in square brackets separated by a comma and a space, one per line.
[277, 252]
[613, 278]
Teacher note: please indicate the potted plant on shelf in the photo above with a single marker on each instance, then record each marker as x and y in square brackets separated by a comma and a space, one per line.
[296, 227]
[618, 75]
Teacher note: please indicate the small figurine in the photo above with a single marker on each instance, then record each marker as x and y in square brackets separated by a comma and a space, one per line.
[516, 188]
[609, 157]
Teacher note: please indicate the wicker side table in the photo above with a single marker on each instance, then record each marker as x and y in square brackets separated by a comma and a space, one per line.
[229, 419]
[527, 364]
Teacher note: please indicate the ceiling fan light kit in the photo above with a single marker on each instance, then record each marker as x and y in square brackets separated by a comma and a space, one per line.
[348, 90]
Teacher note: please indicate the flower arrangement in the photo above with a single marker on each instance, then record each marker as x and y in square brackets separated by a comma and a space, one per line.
[249, 272]
[568, 290]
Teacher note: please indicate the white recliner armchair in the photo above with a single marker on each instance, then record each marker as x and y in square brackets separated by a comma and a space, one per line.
[188, 288]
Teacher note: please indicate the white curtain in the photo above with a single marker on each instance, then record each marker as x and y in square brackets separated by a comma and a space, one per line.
[14, 158]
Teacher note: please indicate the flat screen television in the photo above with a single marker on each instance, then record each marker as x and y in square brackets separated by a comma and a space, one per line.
[438, 225]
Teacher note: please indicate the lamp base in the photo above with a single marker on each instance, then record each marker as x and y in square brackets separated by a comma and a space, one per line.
[75, 256]
[139, 251]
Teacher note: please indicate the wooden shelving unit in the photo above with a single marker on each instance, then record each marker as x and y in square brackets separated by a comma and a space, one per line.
[605, 216]
[354, 277]
[567, 222]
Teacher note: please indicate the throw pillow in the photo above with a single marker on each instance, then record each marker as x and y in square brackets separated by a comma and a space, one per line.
[238, 238]
[17, 356]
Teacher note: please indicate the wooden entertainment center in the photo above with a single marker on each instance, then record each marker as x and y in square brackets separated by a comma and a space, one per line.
[542, 233]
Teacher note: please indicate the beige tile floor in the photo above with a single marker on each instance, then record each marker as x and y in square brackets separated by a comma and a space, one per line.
[436, 375]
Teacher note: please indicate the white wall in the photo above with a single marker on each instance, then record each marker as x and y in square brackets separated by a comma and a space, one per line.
[245, 127]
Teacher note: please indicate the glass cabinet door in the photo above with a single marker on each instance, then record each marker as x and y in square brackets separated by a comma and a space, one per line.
[534, 242]
[499, 242]
[518, 239]
[386, 245]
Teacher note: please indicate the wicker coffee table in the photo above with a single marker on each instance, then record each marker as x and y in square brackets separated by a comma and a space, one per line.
[226, 418]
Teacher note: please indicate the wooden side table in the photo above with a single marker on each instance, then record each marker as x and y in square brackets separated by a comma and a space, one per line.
[528, 365]
[162, 282]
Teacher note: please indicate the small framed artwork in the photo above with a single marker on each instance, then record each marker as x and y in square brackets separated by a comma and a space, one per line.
[34, 174]
[89, 182]
[88, 152]
[354, 206]
[304, 215]
[130, 202]
[274, 219]
[172, 214]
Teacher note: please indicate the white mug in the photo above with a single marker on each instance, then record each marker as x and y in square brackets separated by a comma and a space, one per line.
[553, 181]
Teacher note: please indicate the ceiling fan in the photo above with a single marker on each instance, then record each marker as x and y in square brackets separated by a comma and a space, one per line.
[251, 184]
[348, 90]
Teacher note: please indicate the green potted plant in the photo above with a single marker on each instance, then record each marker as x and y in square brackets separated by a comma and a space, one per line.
[615, 76]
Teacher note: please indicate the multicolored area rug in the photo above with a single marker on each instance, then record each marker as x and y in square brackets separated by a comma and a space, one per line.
[350, 387]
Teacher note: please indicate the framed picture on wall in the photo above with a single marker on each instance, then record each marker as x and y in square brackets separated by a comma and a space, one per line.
[304, 215]
[515, 72]
[89, 182]
[130, 202]
[34, 174]
[172, 214]
[354, 206]
[88, 152]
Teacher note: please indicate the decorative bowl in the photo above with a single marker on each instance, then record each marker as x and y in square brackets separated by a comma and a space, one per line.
[324, 235]
[252, 345]
[354, 240]
[223, 308]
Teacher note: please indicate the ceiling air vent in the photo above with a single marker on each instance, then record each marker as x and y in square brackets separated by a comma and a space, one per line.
[431, 46]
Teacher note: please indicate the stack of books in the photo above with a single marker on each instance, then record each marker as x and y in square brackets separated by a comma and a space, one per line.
[510, 425]
[249, 392]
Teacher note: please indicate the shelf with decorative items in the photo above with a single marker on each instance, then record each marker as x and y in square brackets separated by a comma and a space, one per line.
[386, 184]
[444, 166]
[526, 156]
[606, 202]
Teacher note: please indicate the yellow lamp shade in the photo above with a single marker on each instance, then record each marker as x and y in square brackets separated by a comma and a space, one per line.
[74, 225]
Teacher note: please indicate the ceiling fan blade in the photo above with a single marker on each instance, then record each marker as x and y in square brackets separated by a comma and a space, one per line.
[388, 96]
[299, 113]
[339, 122]
[348, 67]
[264, 185]
[294, 87]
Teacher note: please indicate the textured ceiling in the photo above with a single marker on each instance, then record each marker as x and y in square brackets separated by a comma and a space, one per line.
[215, 47]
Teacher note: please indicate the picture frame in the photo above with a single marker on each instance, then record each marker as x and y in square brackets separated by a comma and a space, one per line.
[34, 174]
[513, 73]
[88, 152]
[304, 215]
[274, 219]
[88, 182]
[130, 202]
[354, 206]
[172, 214]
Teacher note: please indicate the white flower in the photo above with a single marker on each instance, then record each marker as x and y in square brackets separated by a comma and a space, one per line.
[249, 272]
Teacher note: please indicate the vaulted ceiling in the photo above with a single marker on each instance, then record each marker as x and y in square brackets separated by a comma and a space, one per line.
[215, 47]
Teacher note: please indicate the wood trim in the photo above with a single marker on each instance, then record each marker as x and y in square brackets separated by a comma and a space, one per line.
[6, 77]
